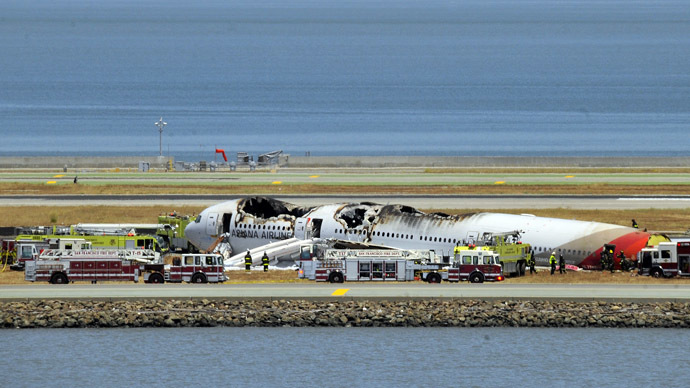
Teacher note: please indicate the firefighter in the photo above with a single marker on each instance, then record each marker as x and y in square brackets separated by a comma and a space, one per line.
[610, 260]
[561, 264]
[624, 261]
[552, 262]
[634, 224]
[264, 261]
[532, 263]
[247, 261]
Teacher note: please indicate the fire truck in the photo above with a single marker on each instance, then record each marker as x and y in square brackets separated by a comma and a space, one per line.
[30, 249]
[61, 267]
[666, 259]
[513, 253]
[338, 265]
[191, 268]
[171, 233]
[101, 241]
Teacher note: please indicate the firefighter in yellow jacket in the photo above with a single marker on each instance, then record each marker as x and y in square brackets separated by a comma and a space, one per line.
[552, 262]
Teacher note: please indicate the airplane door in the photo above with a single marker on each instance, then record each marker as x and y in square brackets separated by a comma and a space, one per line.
[301, 228]
[227, 220]
[212, 224]
[314, 228]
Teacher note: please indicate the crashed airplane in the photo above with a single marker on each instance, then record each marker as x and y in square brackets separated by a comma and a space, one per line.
[253, 222]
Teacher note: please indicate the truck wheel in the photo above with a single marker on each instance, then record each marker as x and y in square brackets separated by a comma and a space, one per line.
[433, 278]
[335, 277]
[59, 278]
[156, 278]
[522, 265]
[476, 278]
[657, 273]
[199, 278]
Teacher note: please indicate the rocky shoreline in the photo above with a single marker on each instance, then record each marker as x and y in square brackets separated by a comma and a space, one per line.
[301, 313]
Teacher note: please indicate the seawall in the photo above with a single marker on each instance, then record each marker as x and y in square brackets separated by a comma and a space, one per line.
[300, 313]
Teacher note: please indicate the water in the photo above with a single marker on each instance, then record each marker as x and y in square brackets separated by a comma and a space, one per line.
[475, 77]
[345, 357]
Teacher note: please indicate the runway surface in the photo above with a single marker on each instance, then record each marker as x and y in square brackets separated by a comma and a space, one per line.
[418, 201]
[579, 292]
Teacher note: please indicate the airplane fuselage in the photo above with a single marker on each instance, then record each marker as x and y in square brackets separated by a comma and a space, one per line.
[256, 221]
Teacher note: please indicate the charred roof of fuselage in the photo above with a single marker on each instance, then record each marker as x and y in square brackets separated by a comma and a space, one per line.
[264, 207]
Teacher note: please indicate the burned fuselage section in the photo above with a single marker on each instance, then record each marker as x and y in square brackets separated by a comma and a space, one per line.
[263, 218]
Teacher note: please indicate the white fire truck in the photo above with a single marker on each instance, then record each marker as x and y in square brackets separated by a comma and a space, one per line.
[321, 263]
[666, 259]
[61, 267]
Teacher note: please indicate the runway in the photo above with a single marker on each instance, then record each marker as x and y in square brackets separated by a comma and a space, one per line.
[418, 201]
[391, 291]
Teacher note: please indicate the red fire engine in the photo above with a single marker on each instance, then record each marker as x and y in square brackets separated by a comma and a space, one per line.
[89, 265]
[338, 265]
[666, 259]
[123, 265]
[195, 268]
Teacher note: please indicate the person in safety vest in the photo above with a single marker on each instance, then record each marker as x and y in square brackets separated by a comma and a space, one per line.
[552, 262]
[561, 264]
[634, 224]
[248, 261]
[264, 261]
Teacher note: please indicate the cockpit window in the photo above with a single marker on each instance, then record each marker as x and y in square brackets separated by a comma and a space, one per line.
[198, 219]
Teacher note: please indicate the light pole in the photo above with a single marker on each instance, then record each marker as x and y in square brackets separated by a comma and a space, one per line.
[160, 124]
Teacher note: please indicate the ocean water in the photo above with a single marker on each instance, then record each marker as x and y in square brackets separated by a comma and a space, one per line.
[345, 357]
[438, 77]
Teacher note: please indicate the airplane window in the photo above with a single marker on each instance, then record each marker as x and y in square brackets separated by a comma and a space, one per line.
[420, 238]
[434, 239]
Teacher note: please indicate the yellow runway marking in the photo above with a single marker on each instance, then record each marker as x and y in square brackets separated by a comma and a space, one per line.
[340, 292]
[499, 182]
[51, 182]
[276, 182]
[570, 176]
[313, 176]
[58, 176]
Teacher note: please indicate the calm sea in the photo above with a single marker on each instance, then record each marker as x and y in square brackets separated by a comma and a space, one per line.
[346, 77]
[345, 357]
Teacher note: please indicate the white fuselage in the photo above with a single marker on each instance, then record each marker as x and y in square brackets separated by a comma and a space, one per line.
[408, 229]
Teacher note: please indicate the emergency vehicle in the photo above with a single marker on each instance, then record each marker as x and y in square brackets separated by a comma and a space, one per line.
[62, 267]
[115, 241]
[339, 265]
[171, 233]
[193, 268]
[666, 259]
[30, 249]
[514, 255]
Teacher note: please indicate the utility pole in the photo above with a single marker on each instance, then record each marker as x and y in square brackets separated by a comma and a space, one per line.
[160, 124]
